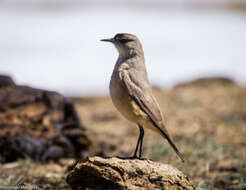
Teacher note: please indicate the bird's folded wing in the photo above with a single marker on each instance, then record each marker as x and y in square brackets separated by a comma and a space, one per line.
[145, 101]
[148, 104]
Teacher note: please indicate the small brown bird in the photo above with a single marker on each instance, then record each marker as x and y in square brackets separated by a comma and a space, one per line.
[131, 91]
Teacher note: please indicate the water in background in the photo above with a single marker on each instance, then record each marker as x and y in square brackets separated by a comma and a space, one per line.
[60, 49]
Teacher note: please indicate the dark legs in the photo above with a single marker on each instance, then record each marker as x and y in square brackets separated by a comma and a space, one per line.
[139, 146]
[139, 143]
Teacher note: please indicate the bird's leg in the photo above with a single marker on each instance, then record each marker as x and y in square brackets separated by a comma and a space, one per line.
[138, 146]
[141, 140]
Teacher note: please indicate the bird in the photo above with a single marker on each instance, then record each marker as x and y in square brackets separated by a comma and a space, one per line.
[131, 91]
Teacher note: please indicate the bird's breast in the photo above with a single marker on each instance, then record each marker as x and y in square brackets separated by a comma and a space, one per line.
[118, 93]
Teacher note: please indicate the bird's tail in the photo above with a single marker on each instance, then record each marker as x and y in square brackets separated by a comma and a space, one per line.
[164, 133]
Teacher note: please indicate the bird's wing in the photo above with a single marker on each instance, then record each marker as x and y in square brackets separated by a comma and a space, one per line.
[148, 104]
[145, 101]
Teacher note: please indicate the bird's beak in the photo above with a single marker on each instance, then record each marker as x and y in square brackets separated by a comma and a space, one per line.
[108, 40]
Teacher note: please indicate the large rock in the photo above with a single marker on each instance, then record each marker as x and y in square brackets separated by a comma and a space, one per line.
[128, 174]
[37, 123]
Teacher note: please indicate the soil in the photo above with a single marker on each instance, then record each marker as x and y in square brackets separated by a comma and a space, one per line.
[206, 118]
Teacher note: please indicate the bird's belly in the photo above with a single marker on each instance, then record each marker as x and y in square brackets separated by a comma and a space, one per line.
[121, 101]
[125, 104]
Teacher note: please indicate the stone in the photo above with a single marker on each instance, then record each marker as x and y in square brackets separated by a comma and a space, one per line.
[39, 124]
[128, 174]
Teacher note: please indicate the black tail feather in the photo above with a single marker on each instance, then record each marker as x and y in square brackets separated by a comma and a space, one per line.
[165, 134]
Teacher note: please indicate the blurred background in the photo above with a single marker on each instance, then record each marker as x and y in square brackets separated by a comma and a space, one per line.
[193, 49]
[56, 45]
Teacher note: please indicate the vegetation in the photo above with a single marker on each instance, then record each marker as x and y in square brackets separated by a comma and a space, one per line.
[207, 120]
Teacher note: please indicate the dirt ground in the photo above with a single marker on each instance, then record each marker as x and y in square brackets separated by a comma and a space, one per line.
[206, 118]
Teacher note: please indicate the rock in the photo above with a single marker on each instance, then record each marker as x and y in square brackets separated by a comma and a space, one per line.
[128, 174]
[37, 123]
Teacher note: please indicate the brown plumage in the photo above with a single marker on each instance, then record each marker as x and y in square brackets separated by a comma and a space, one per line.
[131, 91]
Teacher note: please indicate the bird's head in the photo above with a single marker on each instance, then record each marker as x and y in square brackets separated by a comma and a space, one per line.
[128, 45]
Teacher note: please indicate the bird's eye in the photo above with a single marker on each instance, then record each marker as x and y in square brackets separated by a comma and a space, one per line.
[123, 41]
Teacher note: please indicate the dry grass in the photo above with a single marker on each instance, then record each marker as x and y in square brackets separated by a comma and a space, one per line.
[207, 119]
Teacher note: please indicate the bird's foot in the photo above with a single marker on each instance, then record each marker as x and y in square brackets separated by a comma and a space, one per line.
[132, 158]
[127, 158]
[143, 158]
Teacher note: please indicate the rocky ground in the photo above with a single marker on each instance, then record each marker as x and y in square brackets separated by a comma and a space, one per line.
[207, 119]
